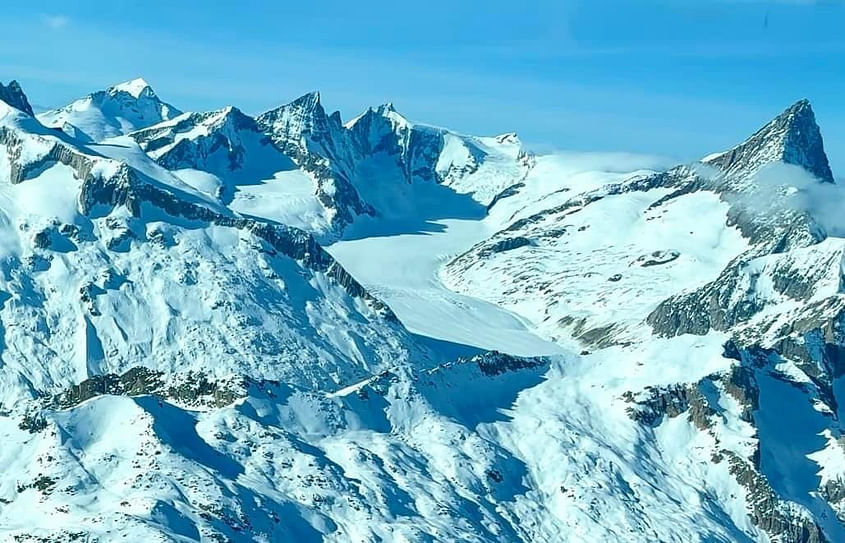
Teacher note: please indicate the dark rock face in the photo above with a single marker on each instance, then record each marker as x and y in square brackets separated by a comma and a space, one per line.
[315, 142]
[57, 153]
[415, 150]
[777, 518]
[13, 95]
[189, 389]
[496, 363]
[793, 137]
[508, 244]
[223, 127]
[671, 402]
[767, 512]
[657, 258]
[134, 382]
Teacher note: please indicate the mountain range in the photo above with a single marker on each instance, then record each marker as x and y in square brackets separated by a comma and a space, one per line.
[290, 327]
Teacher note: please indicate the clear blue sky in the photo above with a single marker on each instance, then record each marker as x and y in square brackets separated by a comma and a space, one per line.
[675, 77]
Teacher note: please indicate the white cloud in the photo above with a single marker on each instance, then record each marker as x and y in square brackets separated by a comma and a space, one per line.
[56, 21]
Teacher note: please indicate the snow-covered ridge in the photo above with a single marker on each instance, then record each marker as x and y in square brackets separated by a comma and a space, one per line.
[111, 207]
[183, 361]
[134, 87]
[115, 111]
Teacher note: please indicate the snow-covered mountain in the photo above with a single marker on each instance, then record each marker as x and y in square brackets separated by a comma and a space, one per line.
[491, 346]
[112, 112]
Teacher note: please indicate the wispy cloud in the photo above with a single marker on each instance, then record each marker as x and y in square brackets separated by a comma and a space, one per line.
[56, 21]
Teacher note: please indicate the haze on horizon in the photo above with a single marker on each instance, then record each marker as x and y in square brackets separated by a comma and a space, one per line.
[669, 78]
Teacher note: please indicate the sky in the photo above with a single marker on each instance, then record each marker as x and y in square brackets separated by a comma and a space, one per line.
[673, 78]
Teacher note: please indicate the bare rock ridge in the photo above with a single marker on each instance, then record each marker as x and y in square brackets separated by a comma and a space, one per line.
[793, 137]
[181, 360]
[13, 95]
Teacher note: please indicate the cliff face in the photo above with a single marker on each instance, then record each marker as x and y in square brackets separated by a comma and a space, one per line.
[180, 357]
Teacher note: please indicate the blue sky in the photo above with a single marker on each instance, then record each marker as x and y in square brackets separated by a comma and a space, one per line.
[674, 77]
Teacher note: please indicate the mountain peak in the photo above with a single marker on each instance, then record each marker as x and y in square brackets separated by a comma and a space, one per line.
[135, 88]
[118, 110]
[13, 95]
[307, 101]
[793, 137]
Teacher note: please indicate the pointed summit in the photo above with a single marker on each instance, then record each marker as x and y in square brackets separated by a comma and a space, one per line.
[13, 95]
[793, 137]
[307, 102]
[298, 121]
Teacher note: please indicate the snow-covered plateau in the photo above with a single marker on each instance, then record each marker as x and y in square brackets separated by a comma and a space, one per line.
[292, 327]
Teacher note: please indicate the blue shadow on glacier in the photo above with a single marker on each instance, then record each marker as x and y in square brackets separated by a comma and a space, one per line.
[415, 209]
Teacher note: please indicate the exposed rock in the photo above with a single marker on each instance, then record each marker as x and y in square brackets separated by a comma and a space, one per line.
[656, 258]
[775, 517]
[508, 244]
[793, 137]
[671, 402]
[13, 95]
[195, 389]
[314, 141]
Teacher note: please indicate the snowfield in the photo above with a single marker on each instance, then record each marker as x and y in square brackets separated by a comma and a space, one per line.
[215, 327]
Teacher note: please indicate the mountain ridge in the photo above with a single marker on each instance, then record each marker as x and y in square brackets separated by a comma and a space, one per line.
[183, 358]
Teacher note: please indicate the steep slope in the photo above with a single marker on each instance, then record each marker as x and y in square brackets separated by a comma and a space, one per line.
[298, 165]
[181, 361]
[726, 250]
[316, 142]
[113, 112]
[792, 138]
[13, 95]
[124, 262]
[226, 155]
[379, 164]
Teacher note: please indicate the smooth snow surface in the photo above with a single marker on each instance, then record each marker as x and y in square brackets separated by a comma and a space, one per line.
[402, 270]
[180, 360]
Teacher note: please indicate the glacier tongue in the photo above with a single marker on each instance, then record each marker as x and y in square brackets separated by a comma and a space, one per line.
[492, 346]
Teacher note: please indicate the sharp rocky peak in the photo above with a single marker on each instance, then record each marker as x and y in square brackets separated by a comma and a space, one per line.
[14, 96]
[307, 103]
[793, 137]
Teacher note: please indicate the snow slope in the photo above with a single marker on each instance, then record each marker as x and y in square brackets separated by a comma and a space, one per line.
[115, 111]
[494, 346]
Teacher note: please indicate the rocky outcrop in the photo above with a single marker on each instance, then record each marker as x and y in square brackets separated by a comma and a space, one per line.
[672, 401]
[496, 363]
[779, 519]
[507, 244]
[52, 152]
[190, 389]
[128, 188]
[316, 143]
[13, 95]
[793, 137]
[222, 130]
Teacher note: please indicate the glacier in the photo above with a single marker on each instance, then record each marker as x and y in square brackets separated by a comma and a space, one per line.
[290, 327]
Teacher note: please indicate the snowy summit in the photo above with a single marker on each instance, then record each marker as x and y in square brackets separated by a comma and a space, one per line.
[289, 327]
[134, 88]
